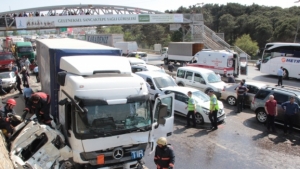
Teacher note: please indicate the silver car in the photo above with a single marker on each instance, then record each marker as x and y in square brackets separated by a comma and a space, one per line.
[229, 92]
[8, 80]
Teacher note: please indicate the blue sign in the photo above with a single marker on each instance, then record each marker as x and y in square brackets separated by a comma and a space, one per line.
[293, 60]
[137, 154]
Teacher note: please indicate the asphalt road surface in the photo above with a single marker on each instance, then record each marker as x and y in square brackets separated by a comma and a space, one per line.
[240, 142]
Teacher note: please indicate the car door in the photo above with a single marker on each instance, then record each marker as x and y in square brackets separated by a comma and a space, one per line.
[280, 98]
[188, 78]
[199, 82]
[180, 76]
[181, 101]
[252, 90]
[163, 119]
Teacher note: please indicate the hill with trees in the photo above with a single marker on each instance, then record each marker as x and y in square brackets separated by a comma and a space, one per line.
[262, 23]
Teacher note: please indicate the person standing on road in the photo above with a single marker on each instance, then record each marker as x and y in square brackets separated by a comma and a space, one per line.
[191, 110]
[214, 108]
[27, 92]
[25, 75]
[18, 83]
[171, 67]
[36, 72]
[240, 92]
[280, 75]
[271, 110]
[290, 108]
[164, 157]
[230, 79]
[27, 63]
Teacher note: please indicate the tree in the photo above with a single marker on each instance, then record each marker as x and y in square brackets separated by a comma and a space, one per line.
[247, 44]
[115, 29]
[101, 29]
[226, 24]
[15, 33]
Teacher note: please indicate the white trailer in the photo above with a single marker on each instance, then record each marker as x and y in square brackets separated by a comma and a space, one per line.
[105, 39]
[127, 47]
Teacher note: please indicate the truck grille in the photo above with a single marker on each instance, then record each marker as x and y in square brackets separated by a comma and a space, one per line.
[108, 155]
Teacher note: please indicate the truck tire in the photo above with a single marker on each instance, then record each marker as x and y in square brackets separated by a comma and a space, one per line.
[286, 75]
[166, 61]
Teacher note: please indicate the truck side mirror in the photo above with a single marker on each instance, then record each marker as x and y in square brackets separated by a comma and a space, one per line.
[61, 78]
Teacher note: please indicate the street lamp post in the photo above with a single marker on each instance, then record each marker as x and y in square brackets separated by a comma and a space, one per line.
[297, 25]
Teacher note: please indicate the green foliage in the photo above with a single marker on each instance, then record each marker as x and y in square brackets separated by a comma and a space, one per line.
[247, 44]
[15, 33]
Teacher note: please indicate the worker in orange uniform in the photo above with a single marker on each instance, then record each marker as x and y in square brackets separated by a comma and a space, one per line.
[164, 155]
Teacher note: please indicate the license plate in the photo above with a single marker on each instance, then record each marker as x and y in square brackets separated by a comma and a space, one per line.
[137, 154]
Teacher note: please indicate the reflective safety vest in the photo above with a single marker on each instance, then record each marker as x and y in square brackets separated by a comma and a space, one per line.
[191, 103]
[212, 98]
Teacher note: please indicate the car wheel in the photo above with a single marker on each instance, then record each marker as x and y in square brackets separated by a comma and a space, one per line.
[180, 84]
[231, 100]
[199, 118]
[261, 115]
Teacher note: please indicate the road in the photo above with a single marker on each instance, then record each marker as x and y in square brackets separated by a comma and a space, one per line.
[240, 142]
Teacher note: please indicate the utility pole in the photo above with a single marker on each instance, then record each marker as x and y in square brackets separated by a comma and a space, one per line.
[297, 26]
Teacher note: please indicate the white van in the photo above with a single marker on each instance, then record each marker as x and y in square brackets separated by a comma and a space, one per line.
[143, 67]
[126, 47]
[157, 82]
[200, 78]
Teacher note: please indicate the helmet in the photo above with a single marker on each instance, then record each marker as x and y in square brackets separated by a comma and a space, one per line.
[12, 102]
[162, 141]
[24, 68]
[35, 97]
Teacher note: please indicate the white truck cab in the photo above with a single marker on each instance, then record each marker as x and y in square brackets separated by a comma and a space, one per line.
[157, 81]
[105, 112]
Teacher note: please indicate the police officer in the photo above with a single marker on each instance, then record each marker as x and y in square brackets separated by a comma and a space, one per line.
[214, 108]
[164, 157]
[39, 103]
[191, 110]
[240, 92]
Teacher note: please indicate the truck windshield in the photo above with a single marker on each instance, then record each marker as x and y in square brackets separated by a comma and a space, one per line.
[25, 49]
[6, 57]
[107, 120]
[165, 81]
[213, 78]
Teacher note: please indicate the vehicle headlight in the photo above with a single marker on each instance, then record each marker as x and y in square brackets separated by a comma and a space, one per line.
[205, 110]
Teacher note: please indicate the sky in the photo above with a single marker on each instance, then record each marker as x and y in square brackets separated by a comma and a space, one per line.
[159, 5]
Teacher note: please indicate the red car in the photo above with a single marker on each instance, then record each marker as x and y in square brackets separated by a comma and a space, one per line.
[5, 59]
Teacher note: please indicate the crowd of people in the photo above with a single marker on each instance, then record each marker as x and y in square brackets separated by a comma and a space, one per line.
[37, 103]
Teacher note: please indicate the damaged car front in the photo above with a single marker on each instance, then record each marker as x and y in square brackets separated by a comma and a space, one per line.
[38, 146]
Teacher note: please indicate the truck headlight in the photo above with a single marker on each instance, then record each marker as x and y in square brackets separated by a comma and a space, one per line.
[205, 110]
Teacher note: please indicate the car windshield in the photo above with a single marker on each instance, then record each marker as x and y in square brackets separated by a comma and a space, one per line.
[198, 95]
[108, 120]
[25, 49]
[6, 57]
[213, 78]
[4, 75]
[165, 81]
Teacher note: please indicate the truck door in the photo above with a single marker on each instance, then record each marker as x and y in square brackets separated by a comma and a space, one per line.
[163, 119]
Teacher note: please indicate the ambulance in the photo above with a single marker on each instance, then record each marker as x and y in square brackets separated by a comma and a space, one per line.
[220, 61]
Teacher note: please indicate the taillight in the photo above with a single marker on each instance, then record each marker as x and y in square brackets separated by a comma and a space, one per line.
[253, 100]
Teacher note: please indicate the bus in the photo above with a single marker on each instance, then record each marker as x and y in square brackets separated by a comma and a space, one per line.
[286, 55]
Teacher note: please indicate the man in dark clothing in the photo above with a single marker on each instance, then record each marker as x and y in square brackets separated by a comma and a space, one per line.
[171, 67]
[290, 108]
[39, 103]
[18, 83]
[240, 92]
[164, 157]
[271, 110]
[5, 126]
[230, 78]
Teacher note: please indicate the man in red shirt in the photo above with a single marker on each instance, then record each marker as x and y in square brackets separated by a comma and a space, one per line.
[271, 110]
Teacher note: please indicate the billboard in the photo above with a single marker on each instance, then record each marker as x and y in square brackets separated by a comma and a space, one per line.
[88, 20]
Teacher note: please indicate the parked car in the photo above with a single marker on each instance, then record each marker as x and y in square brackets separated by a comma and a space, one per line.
[141, 54]
[202, 103]
[229, 92]
[136, 61]
[200, 78]
[142, 67]
[8, 80]
[281, 95]
[157, 82]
